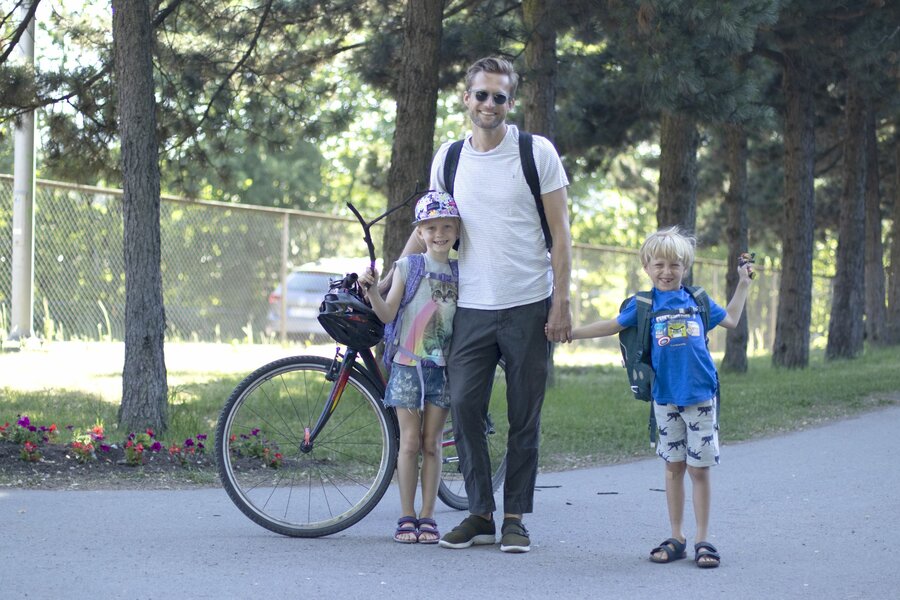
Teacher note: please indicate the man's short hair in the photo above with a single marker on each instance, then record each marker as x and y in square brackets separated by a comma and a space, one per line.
[497, 65]
[670, 244]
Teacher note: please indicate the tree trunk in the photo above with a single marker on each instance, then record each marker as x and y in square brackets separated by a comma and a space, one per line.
[539, 91]
[846, 327]
[791, 348]
[677, 200]
[735, 358]
[144, 387]
[893, 314]
[417, 92]
[876, 312]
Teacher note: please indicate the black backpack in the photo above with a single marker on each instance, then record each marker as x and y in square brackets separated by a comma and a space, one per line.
[526, 154]
[634, 342]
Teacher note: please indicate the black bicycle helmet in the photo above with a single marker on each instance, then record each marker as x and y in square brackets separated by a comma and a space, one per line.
[349, 319]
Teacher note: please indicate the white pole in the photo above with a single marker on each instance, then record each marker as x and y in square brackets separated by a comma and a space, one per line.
[22, 310]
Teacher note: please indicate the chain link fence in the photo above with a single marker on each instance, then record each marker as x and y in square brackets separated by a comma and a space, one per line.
[221, 263]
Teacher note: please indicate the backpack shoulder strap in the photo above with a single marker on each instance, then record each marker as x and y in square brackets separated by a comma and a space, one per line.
[451, 161]
[644, 303]
[392, 330]
[702, 299]
[413, 278]
[529, 168]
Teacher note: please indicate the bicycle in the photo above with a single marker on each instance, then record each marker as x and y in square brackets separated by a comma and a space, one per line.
[305, 446]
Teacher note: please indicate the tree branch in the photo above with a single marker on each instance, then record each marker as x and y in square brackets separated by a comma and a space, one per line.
[20, 30]
[161, 15]
[250, 48]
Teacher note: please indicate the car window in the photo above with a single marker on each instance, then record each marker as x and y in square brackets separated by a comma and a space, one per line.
[310, 282]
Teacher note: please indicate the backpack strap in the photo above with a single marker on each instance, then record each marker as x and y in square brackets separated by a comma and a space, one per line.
[702, 299]
[643, 302]
[392, 330]
[451, 161]
[529, 168]
[413, 278]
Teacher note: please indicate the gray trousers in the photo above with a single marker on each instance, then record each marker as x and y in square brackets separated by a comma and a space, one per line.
[480, 338]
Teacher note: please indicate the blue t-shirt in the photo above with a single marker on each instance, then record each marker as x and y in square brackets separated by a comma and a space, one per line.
[685, 373]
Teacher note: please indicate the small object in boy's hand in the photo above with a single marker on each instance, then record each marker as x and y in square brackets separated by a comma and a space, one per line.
[747, 258]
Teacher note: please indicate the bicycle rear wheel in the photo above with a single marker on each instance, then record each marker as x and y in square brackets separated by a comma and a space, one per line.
[272, 480]
[452, 489]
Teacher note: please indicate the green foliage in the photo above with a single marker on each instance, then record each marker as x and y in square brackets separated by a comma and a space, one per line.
[684, 53]
[589, 416]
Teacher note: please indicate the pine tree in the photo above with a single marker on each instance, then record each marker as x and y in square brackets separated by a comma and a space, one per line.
[417, 93]
[144, 387]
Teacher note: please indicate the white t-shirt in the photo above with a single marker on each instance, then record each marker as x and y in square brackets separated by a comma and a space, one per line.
[503, 258]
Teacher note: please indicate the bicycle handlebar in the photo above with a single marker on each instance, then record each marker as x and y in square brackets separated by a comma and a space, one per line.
[367, 235]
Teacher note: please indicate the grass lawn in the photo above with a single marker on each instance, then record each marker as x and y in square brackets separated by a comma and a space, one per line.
[589, 415]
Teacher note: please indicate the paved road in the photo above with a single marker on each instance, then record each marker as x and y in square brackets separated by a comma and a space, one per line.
[814, 514]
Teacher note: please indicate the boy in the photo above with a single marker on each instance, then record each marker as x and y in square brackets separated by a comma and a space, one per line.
[684, 389]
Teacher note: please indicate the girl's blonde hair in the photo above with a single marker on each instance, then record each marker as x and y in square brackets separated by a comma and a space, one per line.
[670, 244]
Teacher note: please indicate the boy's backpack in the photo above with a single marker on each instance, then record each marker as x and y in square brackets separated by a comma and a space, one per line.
[526, 155]
[634, 342]
[413, 279]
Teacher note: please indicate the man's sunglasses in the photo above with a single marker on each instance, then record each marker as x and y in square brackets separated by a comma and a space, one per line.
[499, 98]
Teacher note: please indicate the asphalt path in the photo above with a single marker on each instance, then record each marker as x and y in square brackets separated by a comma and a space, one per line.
[812, 514]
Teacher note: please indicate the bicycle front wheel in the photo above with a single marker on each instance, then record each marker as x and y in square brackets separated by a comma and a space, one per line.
[295, 490]
[452, 489]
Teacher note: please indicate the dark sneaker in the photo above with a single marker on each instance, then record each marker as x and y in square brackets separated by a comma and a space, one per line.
[515, 536]
[474, 530]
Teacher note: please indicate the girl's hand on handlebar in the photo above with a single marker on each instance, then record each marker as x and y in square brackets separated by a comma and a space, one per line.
[368, 279]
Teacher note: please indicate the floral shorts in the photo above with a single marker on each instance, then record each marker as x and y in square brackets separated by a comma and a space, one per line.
[688, 433]
[404, 389]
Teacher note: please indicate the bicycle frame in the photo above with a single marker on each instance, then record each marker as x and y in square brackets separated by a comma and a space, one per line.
[341, 367]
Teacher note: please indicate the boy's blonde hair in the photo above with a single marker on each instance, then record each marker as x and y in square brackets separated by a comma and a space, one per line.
[670, 244]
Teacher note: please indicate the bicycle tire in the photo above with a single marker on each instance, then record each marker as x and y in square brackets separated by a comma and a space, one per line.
[305, 494]
[452, 489]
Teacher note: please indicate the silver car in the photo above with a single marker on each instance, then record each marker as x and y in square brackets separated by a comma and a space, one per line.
[306, 285]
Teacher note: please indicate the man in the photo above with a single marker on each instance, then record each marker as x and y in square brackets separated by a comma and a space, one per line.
[509, 289]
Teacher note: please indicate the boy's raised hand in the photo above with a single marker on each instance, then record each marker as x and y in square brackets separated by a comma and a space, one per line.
[745, 262]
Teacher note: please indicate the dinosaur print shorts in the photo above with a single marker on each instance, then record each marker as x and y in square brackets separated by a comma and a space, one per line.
[688, 433]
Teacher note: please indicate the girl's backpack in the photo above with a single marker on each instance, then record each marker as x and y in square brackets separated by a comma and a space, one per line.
[413, 279]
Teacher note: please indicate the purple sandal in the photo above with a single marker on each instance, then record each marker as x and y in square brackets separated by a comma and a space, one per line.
[428, 526]
[407, 524]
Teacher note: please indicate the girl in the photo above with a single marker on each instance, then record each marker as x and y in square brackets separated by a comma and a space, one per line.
[422, 320]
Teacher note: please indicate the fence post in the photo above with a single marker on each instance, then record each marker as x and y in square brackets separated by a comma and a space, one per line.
[285, 248]
[22, 312]
[576, 305]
